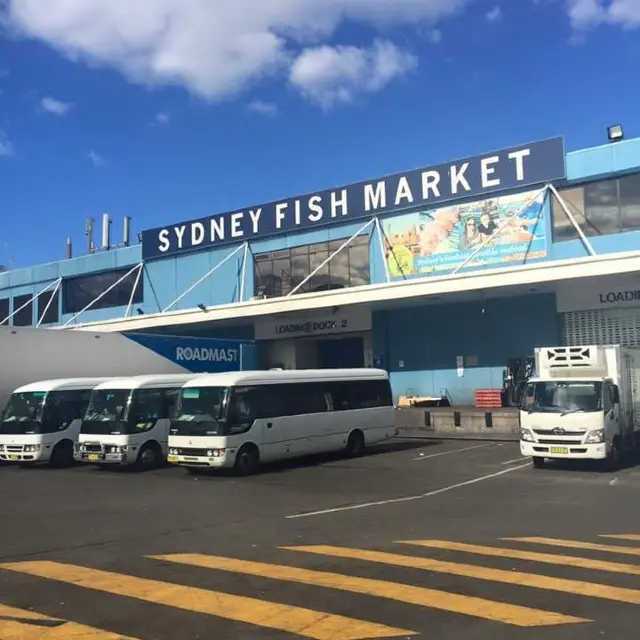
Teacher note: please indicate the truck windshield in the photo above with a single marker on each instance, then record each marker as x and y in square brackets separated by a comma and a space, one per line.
[200, 412]
[562, 396]
[106, 411]
[23, 413]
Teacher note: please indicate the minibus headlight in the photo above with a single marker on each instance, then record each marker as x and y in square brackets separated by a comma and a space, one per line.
[210, 453]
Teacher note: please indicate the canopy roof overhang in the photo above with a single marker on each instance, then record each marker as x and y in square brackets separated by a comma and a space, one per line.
[495, 281]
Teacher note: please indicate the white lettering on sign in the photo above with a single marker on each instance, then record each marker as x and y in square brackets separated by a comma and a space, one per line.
[536, 163]
[206, 354]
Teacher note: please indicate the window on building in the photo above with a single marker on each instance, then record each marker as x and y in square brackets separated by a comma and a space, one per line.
[77, 293]
[24, 317]
[630, 202]
[48, 301]
[4, 309]
[278, 272]
[600, 208]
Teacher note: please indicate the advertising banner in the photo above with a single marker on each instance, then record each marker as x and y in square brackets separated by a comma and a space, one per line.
[442, 239]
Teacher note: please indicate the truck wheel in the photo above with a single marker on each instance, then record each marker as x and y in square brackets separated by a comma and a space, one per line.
[613, 460]
[538, 462]
[62, 455]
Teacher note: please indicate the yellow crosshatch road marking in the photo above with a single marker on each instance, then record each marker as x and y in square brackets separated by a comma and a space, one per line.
[296, 620]
[534, 556]
[469, 605]
[20, 624]
[576, 544]
[634, 537]
[533, 580]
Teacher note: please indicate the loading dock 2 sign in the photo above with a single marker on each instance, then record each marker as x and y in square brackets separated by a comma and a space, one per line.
[327, 323]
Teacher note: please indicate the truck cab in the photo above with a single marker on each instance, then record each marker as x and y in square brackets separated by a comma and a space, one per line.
[579, 405]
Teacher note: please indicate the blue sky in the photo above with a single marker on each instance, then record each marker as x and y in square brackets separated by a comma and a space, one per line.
[180, 108]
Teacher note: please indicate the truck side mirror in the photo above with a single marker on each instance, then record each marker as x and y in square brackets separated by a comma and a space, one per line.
[615, 394]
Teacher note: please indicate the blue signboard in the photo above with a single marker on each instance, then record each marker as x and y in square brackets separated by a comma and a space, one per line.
[201, 355]
[514, 168]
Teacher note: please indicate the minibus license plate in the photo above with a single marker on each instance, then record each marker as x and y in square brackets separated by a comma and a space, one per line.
[14, 457]
[172, 458]
[94, 457]
[560, 450]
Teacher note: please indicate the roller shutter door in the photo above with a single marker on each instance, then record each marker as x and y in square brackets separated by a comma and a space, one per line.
[619, 326]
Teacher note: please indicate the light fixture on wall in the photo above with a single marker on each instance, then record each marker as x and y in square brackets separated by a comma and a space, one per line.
[202, 308]
[140, 311]
[615, 133]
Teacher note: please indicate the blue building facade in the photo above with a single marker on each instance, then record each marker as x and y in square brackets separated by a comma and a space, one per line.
[404, 228]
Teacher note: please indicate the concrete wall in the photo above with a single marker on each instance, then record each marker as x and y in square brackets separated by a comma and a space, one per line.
[419, 346]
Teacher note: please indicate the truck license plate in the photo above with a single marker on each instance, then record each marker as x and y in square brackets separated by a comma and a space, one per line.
[560, 450]
[172, 458]
[14, 457]
[94, 457]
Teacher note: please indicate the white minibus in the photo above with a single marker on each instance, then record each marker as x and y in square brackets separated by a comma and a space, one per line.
[41, 421]
[239, 420]
[127, 421]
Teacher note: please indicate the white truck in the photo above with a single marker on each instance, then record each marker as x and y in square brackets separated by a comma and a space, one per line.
[582, 404]
[30, 355]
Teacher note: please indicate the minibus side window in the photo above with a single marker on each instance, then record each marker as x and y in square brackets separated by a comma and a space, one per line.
[360, 394]
[63, 407]
[147, 407]
[243, 409]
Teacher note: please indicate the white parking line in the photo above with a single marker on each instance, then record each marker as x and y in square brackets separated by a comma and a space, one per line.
[407, 498]
[514, 460]
[448, 453]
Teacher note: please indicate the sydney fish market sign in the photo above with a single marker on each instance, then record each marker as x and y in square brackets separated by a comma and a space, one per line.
[513, 168]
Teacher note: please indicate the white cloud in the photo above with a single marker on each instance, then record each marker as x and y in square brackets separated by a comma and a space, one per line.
[214, 49]
[96, 159]
[268, 109]
[6, 146]
[331, 75]
[434, 36]
[55, 107]
[494, 14]
[587, 14]
[162, 118]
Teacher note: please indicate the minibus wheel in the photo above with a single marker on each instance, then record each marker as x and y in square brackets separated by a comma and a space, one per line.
[247, 460]
[62, 455]
[355, 444]
[149, 457]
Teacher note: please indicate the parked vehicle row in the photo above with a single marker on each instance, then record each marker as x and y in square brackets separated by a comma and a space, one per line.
[235, 420]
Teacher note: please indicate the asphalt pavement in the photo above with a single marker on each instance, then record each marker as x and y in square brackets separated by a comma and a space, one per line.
[446, 540]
